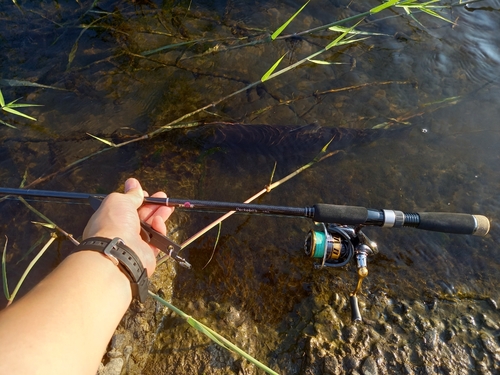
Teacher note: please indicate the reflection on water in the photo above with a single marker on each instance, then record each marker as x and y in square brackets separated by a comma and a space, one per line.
[437, 79]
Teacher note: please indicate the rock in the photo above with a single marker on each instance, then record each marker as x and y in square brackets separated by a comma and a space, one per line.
[492, 303]
[489, 323]
[448, 334]
[431, 339]
[113, 353]
[489, 343]
[331, 366]
[369, 367]
[469, 320]
[407, 370]
[118, 341]
[113, 367]
[350, 363]
[350, 333]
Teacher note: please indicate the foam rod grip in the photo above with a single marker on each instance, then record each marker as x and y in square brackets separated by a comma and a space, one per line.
[347, 215]
[477, 225]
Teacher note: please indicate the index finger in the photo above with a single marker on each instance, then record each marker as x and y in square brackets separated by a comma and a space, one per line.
[149, 211]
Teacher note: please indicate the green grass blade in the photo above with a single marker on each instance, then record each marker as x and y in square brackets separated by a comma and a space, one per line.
[273, 68]
[74, 49]
[323, 62]
[434, 14]
[22, 105]
[342, 36]
[6, 124]
[283, 27]
[204, 329]
[349, 41]
[46, 225]
[30, 266]
[423, 7]
[385, 5]
[105, 141]
[18, 83]
[325, 147]
[341, 29]
[215, 245]
[72, 54]
[32, 248]
[4, 271]
[170, 46]
[2, 101]
[214, 336]
[14, 112]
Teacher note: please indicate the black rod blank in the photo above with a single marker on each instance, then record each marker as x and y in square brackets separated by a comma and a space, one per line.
[328, 213]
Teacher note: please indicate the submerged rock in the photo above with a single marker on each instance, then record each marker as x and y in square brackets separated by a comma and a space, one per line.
[369, 367]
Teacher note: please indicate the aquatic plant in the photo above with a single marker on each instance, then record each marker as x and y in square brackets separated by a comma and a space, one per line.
[10, 296]
[9, 107]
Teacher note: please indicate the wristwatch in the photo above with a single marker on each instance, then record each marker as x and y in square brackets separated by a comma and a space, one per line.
[125, 258]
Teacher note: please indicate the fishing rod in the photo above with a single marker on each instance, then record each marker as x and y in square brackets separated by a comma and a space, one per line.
[336, 237]
[457, 223]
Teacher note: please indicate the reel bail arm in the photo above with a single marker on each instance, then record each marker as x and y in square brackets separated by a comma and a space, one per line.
[363, 250]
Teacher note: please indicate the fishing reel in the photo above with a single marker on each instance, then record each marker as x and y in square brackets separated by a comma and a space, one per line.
[336, 245]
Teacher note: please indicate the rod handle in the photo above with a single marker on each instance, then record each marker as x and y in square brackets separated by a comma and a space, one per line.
[477, 225]
[445, 222]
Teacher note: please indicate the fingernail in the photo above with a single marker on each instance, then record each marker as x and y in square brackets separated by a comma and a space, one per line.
[130, 184]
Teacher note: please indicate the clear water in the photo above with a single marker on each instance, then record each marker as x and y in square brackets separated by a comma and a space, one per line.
[438, 79]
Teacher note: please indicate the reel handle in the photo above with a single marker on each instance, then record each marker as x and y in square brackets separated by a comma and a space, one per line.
[477, 225]
[355, 314]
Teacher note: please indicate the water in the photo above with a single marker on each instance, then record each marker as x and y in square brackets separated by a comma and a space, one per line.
[440, 79]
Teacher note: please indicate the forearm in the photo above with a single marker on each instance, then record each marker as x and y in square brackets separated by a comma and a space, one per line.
[63, 325]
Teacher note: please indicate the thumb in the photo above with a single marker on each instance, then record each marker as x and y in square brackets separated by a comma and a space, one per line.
[134, 190]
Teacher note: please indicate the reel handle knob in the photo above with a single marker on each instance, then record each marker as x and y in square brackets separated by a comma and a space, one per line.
[355, 314]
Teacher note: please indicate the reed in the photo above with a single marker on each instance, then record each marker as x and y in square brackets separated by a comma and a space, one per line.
[10, 296]
[212, 335]
[9, 108]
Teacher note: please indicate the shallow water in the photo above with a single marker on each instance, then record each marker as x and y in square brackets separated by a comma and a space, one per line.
[436, 78]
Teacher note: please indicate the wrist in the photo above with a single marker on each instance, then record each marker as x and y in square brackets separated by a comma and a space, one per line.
[134, 242]
[124, 258]
[97, 270]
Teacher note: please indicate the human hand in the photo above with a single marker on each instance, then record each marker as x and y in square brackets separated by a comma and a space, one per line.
[119, 215]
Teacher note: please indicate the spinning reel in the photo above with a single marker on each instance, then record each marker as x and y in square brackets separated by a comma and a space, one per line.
[336, 245]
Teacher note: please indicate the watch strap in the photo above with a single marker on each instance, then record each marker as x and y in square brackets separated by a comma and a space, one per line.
[123, 257]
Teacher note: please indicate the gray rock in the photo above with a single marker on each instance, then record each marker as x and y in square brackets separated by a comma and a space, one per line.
[331, 366]
[369, 367]
[350, 363]
[431, 339]
[113, 367]
[489, 343]
[492, 303]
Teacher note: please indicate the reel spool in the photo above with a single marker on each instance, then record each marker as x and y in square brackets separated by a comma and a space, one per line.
[333, 245]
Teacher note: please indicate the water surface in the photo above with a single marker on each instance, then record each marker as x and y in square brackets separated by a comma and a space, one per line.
[438, 79]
